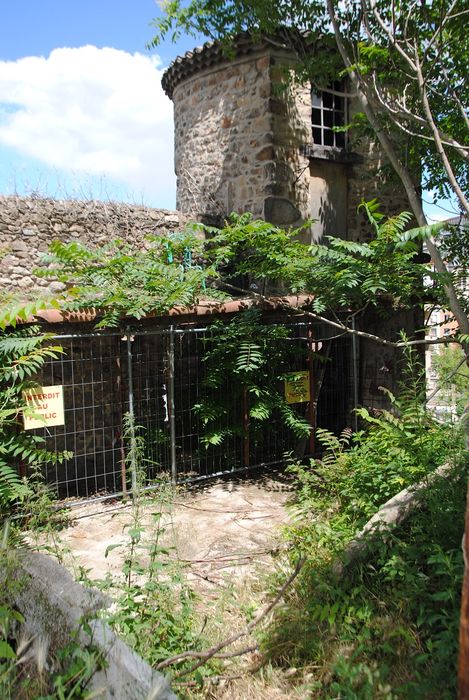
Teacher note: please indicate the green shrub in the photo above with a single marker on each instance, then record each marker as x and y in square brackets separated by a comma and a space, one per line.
[387, 626]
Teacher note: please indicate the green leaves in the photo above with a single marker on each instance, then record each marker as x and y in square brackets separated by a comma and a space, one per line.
[396, 449]
[249, 358]
[120, 280]
[340, 274]
[13, 310]
[23, 352]
[254, 370]
[181, 268]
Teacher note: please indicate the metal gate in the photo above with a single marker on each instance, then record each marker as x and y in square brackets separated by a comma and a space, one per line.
[158, 376]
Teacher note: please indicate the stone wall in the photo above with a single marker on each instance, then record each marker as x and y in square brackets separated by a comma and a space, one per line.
[371, 178]
[29, 225]
[237, 139]
[223, 138]
[287, 202]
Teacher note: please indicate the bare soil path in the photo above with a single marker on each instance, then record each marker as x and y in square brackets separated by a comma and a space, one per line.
[224, 534]
[222, 528]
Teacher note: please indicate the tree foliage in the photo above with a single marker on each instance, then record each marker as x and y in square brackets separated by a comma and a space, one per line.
[22, 353]
[453, 377]
[253, 358]
[406, 64]
[121, 280]
[245, 253]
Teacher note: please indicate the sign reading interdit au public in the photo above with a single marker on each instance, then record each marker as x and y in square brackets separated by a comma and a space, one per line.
[297, 387]
[47, 405]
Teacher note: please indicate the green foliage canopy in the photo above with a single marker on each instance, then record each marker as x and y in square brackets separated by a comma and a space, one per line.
[410, 60]
[341, 275]
[22, 353]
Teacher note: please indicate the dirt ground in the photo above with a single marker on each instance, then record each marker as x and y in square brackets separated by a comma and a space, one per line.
[219, 530]
[226, 536]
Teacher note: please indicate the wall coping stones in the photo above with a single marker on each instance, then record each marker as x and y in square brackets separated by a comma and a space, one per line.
[55, 606]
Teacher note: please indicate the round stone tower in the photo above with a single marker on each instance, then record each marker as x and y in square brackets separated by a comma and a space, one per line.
[236, 137]
[249, 139]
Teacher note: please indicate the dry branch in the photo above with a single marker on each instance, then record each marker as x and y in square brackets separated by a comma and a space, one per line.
[204, 656]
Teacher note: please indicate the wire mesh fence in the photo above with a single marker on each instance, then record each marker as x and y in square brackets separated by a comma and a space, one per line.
[159, 375]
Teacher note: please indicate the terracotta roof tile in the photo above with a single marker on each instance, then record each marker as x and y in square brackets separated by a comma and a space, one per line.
[204, 308]
[212, 53]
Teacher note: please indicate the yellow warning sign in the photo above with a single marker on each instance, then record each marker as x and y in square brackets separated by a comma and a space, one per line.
[47, 403]
[297, 387]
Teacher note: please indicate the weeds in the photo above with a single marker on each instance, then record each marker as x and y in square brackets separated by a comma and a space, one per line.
[388, 628]
[154, 607]
[31, 667]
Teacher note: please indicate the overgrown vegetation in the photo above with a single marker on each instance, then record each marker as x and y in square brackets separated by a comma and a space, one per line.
[386, 626]
[31, 666]
[120, 280]
[453, 377]
[154, 605]
[23, 352]
[179, 269]
[252, 359]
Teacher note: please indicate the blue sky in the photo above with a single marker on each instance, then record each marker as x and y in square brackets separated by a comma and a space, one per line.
[82, 112]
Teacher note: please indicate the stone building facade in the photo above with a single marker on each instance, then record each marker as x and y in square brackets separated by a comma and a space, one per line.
[245, 143]
[249, 140]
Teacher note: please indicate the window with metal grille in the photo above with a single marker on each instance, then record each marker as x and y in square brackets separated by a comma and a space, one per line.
[328, 112]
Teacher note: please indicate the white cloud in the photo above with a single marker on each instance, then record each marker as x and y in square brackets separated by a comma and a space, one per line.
[93, 111]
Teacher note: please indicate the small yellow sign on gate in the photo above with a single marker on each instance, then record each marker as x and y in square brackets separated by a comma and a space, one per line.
[297, 387]
[47, 403]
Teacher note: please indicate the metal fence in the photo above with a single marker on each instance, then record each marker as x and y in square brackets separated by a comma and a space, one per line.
[158, 376]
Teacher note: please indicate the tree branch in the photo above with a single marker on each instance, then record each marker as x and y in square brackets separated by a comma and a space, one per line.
[401, 171]
[456, 98]
[203, 655]
[441, 24]
[438, 143]
[390, 36]
[450, 376]
[210, 653]
[342, 326]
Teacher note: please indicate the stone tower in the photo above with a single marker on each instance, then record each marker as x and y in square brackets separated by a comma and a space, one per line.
[242, 144]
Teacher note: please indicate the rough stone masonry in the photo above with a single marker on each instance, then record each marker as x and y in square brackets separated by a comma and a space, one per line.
[29, 224]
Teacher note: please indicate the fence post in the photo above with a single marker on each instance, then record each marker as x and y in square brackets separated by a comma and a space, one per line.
[171, 406]
[121, 420]
[133, 467]
[312, 407]
[355, 365]
[246, 446]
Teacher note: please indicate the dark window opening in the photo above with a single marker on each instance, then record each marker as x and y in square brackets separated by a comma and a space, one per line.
[328, 112]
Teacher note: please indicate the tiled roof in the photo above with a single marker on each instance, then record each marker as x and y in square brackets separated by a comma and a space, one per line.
[203, 308]
[213, 52]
